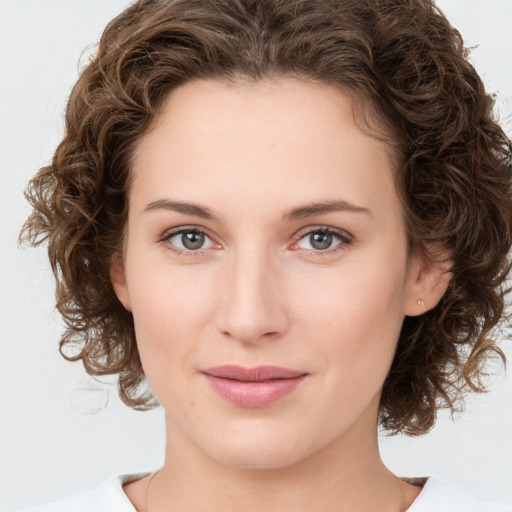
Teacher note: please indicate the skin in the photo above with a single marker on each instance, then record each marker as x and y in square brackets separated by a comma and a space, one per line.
[259, 291]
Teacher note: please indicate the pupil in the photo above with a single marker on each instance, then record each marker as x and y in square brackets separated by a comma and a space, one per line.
[321, 240]
[192, 240]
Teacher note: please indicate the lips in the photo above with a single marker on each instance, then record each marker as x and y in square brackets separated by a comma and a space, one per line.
[253, 387]
[257, 374]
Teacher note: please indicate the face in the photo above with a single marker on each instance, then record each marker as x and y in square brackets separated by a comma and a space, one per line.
[264, 229]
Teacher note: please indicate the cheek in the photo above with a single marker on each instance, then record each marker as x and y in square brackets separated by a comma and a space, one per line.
[169, 310]
[355, 317]
[354, 331]
[165, 296]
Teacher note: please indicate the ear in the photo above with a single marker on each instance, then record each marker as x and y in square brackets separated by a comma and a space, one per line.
[118, 280]
[427, 282]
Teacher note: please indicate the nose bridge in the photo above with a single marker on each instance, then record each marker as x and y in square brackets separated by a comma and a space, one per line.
[253, 303]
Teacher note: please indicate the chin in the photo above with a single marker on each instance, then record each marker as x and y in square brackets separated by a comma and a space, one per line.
[257, 451]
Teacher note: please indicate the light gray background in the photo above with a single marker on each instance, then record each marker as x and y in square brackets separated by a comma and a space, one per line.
[50, 443]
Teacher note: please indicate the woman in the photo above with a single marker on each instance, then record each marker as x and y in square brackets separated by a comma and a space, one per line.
[293, 219]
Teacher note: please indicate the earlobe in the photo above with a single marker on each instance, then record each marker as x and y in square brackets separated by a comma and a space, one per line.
[427, 283]
[118, 280]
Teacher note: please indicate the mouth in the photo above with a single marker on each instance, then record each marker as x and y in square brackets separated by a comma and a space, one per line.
[253, 387]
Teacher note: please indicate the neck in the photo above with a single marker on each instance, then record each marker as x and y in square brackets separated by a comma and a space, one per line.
[346, 475]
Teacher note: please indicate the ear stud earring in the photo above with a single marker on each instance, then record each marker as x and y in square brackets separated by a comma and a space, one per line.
[421, 303]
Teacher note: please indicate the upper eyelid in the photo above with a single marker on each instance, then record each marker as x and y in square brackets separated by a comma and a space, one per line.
[169, 233]
[301, 232]
[320, 227]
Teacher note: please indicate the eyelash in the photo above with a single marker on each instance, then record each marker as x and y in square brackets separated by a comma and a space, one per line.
[342, 236]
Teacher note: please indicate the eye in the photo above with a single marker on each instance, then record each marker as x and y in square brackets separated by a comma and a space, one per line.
[187, 241]
[324, 240]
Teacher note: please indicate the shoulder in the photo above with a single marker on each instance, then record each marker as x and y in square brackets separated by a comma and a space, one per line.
[106, 497]
[437, 496]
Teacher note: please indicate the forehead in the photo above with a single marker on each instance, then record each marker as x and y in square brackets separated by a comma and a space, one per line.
[280, 139]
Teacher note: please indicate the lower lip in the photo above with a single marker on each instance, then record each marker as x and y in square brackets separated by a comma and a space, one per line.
[253, 394]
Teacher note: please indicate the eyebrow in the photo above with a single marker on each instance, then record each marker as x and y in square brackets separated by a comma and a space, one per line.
[308, 210]
[300, 212]
[184, 207]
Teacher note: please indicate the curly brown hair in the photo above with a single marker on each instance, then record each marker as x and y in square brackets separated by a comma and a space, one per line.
[407, 72]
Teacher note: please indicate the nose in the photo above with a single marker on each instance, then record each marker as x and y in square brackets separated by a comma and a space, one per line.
[253, 299]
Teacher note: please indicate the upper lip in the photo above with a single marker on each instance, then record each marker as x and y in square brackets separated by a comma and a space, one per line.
[256, 374]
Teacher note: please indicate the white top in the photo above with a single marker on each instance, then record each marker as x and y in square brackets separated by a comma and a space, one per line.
[110, 497]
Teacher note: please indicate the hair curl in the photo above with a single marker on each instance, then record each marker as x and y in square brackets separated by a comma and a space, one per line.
[401, 59]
